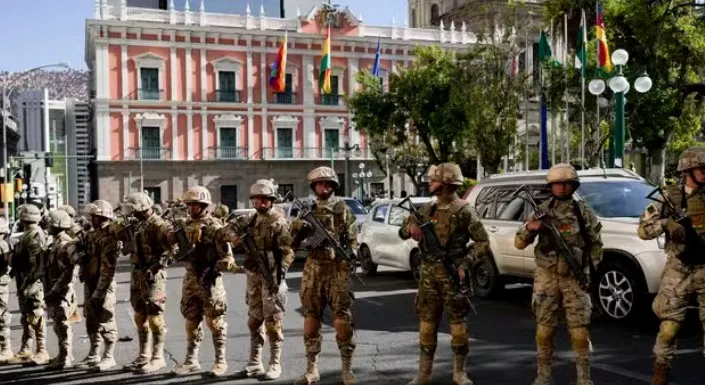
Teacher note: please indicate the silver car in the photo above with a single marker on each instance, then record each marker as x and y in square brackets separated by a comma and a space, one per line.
[631, 268]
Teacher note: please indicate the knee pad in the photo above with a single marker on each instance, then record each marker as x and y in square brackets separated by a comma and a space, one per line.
[459, 334]
[140, 319]
[157, 324]
[272, 326]
[668, 330]
[33, 320]
[544, 335]
[343, 328]
[427, 333]
[312, 328]
[580, 338]
[216, 323]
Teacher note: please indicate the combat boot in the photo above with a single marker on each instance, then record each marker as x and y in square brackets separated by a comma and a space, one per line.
[275, 368]
[543, 374]
[661, 374]
[5, 351]
[143, 358]
[108, 360]
[423, 377]
[544, 350]
[93, 357]
[42, 356]
[254, 366]
[460, 377]
[190, 364]
[346, 373]
[311, 376]
[220, 366]
[24, 355]
[157, 362]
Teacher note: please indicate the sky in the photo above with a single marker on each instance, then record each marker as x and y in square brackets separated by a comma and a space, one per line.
[40, 32]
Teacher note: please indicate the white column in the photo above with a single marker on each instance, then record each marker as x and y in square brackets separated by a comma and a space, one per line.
[263, 81]
[174, 132]
[394, 67]
[353, 68]
[204, 133]
[189, 75]
[308, 91]
[172, 59]
[250, 132]
[123, 70]
[105, 131]
[309, 128]
[125, 131]
[189, 135]
[249, 70]
[102, 65]
[354, 134]
[203, 75]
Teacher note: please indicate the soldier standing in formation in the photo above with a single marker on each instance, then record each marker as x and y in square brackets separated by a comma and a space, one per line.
[680, 278]
[153, 253]
[456, 223]
[30, 291]
[554, 286]
[325, 277]
[203, 292]
[5, 279]
[75, 228]
[61, 297]
[99, 286]
[270, 232]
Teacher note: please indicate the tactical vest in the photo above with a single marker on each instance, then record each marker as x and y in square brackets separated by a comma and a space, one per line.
[333, 217]
[147, 246]
[693, 206]
[452, 233]
[56, 265]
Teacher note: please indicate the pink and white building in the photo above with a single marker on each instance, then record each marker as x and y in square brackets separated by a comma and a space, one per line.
[181, 97]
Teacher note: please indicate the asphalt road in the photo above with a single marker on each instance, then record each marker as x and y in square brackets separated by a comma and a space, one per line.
[501, 352]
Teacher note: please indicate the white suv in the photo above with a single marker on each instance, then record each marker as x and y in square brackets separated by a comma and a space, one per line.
[631, 268]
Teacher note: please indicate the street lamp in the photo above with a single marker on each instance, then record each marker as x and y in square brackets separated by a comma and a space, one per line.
[620, 86]
[6, 93]
[360, 179]
[347, 150]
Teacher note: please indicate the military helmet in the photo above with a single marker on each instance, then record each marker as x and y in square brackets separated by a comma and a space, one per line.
[157, 208]
[69, 210]
[30, 213]
[562, 173]
[197, 194]
[448, 173]
[221, 211]
[691, 158]
[136, 203]
[323, 174]
[4, 227]
[60, 219]
[264, 188]
[100, 208]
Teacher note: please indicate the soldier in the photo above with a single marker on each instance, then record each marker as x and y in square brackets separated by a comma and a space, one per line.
[435, 291]
[325, 277]
[554, 286]
[221, 212]
[203, 291]
[157, 209]
[152, 254]
[270, 232]
[61, 297]
[26, 262]
[679, 279]
[99, 287]
[5, 316]
[76, 228]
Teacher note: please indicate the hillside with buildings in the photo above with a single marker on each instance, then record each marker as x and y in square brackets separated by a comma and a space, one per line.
[61, 84]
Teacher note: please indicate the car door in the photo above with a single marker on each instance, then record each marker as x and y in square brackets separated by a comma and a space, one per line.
[376, 227]
[397, 250]
[502, 218]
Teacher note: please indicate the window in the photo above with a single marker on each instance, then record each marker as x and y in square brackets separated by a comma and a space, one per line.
[484, 204]
[616, 198]
[380, 213]
[285, 189]
[287, 97]
[228, 196]
[356, 207]
[151, 143]
[285, 143]
[226, 88]
[434, 15]
[155, 193]
[512, 211]
[413, 18]
[333, 98]
[377, 189]
[535, 62]
[331, 142]
[150, 84]
[228, 143]
[397, 216]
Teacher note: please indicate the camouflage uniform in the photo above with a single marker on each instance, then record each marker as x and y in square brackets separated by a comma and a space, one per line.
[152, 254]
[554, 286]
[76, 228]
[270, 232]
[325, 279]
[5, 279]
[61, 297]
[455, 224]
[99, 287]
[26, 262]
[203, 293]
[221, 212]
[679, 280]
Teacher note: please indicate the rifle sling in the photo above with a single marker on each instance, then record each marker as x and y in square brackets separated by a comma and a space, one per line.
[586, 238]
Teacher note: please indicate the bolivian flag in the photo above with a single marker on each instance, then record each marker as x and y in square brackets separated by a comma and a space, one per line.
[603, 51]
[277, 78]
[324, 72]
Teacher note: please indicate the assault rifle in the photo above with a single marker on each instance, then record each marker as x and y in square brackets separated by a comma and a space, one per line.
[435, 249]
[694, 244]
[322, 238]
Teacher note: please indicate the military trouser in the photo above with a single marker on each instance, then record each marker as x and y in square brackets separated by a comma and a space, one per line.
[100, 317]
[5, 318]
[31, 303]
[148, 300]
[60, 314]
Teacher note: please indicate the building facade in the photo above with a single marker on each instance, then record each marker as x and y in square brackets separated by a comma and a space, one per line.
[80, 147]
[182, 98]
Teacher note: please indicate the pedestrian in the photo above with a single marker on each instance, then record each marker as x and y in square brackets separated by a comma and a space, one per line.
[326, 278]
[554, 285]
[5, 279]
[61, 297]
[153, 251]
[26, 263]
[203, 292]
[98, 275]
[436, 292]
[266, 295]
[681, 277]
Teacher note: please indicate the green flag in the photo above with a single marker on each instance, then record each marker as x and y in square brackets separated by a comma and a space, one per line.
[581, 47]
[545, 53]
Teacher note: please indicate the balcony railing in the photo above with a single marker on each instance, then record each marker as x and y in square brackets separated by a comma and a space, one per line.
[227, 153]
[228, 96]
[150, 94]
[331, 100]
[285, 98]
[148, 153]
[308, 153]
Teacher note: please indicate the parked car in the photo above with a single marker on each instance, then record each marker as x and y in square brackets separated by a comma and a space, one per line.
[630, 269]
[291, 210]
[379, 238]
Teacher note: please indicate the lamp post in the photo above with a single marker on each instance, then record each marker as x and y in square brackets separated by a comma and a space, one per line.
[6, 93]
[620, 86]
[360, 179]
[347, 150]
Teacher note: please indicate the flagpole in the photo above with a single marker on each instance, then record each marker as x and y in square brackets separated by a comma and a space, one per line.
[565, 133]
[553, 120]
[526, 97]
[582, 89]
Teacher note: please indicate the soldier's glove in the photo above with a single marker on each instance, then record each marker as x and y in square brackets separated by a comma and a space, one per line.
[52, 298]
[228, 265]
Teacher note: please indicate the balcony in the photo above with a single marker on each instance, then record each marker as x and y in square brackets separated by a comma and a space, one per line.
[331, 100]
[227, 153]
[228, 96]
[307, 153]
[148, 153]
[150, 94]
[285, 97]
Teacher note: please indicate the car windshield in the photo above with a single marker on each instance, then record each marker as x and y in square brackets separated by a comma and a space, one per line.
[356, 207]
[616, 199]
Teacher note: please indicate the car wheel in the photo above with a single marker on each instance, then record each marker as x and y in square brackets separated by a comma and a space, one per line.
[368, 267]
[415, 264]
[486, 280]
[618, 291]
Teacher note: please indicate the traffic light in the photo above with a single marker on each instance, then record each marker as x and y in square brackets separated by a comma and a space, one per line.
[48, 160]
[27, 174]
